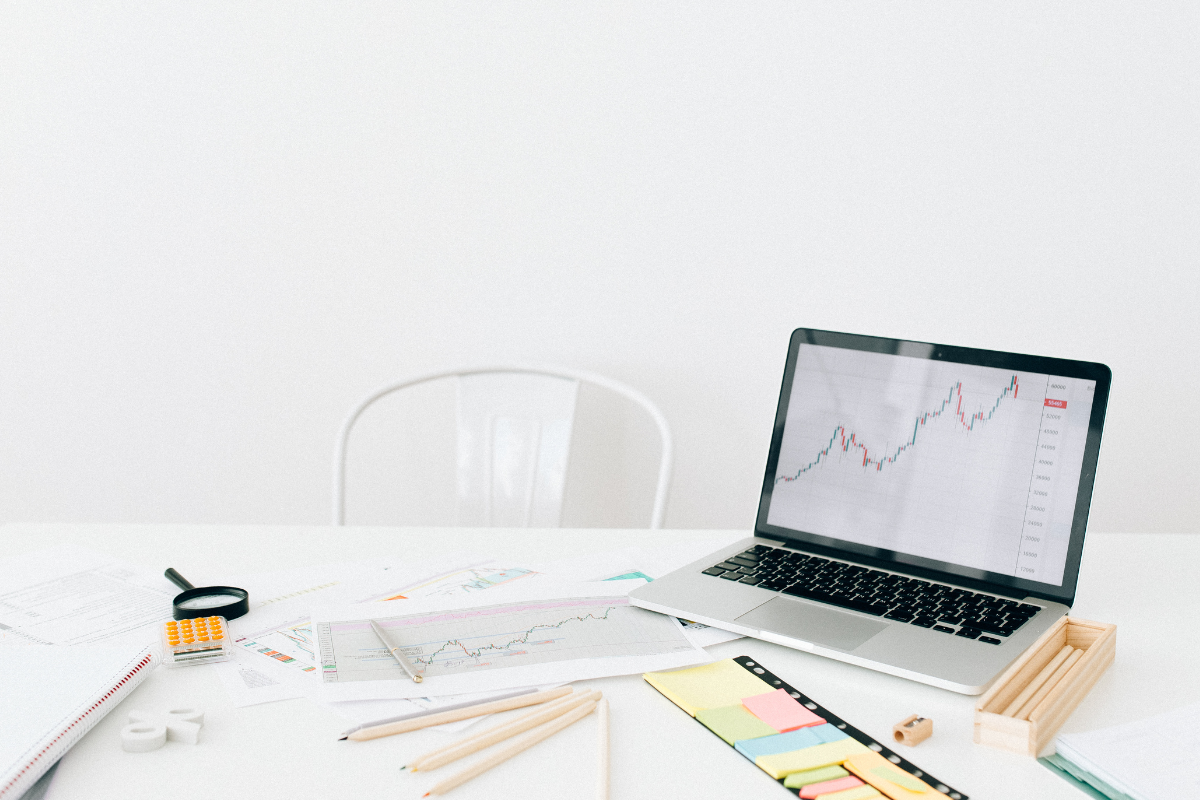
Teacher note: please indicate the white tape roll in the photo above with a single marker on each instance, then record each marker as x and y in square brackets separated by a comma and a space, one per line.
[142, 737]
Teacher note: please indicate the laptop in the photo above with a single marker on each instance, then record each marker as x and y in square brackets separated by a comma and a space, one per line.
[922, 513]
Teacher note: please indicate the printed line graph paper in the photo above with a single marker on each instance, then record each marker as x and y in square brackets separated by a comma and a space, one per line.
[508, 635]
[536, 640]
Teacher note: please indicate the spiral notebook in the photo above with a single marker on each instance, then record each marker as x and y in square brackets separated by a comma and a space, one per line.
[52, 696]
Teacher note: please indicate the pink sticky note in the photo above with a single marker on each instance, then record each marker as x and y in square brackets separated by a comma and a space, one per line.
[836, 785]
[781, 711]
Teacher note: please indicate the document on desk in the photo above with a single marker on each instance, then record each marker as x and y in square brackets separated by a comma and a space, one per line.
[639, 563]
[1150, 759]
[275, 656]
[71, 595]
[553, 633]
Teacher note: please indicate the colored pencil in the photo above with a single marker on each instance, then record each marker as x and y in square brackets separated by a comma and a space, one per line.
[518, 746]
[473, 744]
[424, 712]
[602, 766]
[404, 726]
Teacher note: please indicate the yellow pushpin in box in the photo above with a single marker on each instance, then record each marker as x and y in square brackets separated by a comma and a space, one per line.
[201, 640]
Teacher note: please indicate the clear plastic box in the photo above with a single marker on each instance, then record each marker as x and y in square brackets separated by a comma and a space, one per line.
[202, 640]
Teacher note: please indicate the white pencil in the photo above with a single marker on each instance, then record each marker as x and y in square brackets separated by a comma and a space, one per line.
[425, 712]
[520, 745]
[479, 741]
[602, 782]
[404, 726]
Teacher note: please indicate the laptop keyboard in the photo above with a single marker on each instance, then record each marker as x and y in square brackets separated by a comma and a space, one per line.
[943, 608]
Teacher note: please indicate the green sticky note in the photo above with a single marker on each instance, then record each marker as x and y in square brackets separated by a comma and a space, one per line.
[716, 685]
[732, 723]
[823, 755]
[798, 780]
[900, 778]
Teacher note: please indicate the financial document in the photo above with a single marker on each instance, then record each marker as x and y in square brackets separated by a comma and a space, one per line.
[1149, 759]
[536, 636]
[71, 595]
[640, 565]
[274, 656]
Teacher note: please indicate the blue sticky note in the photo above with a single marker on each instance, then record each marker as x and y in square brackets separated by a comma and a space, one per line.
[787, 742]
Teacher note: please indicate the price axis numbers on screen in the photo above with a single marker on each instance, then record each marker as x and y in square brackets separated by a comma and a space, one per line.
[1043, 480]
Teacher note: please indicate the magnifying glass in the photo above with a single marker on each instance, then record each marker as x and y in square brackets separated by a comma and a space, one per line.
[207, 601]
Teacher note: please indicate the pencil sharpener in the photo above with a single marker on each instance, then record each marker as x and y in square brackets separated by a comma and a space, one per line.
[913, 730]
[202, 640]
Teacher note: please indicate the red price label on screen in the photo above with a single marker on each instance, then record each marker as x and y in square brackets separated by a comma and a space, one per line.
[1056, 403]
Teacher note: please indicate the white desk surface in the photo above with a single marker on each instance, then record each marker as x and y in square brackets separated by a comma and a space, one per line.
[1143, 583]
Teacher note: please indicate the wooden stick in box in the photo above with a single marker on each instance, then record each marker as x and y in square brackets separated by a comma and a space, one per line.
[1035, 684]
[1041, 693]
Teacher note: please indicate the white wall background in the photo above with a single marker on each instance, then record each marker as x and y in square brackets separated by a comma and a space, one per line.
[221, 223]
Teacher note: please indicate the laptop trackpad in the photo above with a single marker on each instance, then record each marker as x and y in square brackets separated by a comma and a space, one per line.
[811, 623]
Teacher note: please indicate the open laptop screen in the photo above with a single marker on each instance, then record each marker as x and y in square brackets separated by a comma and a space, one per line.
[971, 462]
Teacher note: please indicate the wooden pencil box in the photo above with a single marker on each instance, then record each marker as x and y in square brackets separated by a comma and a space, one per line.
[1033, 735]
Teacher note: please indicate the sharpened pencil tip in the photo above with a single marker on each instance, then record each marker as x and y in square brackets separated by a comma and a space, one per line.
[404, 768]
[343, 738]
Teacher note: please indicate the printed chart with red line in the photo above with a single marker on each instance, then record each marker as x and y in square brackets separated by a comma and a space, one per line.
[289, 644]
[484, 638]
[972, 465]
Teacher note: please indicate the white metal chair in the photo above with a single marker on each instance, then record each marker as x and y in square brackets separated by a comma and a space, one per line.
[514, 438]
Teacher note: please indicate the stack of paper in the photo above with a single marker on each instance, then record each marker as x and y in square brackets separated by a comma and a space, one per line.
[521, 636]
[1151, 759]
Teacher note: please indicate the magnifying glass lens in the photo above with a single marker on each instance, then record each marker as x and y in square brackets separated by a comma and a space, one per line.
[209, 601]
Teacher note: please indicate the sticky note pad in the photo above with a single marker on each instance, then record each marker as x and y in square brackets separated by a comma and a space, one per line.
[733, 723]
[798, 780]
[716, 685]
[889, 779]
[781, 765]
[781, 711]
[814, 790]
[787, 742]
[859, 793]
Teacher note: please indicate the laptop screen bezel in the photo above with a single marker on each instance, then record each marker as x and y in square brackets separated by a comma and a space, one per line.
[926, 567]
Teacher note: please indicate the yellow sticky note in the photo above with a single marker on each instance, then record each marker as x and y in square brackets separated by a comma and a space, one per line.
[780, 765]
[721, 683]
[857, 793]
[877, 771]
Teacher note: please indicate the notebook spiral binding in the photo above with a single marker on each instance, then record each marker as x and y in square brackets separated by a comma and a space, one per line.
[46, 753]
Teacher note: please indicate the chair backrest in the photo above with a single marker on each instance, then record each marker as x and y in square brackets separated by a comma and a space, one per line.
[514, 441]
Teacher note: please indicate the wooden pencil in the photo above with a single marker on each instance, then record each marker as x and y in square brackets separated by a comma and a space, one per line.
[416, 762]
[1050, 683]
[602, 766]
[404, 726]
[1039, 679]
[520, 745]
[473, 744]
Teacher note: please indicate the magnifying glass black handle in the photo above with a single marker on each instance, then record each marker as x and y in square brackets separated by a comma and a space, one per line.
[177, 579]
